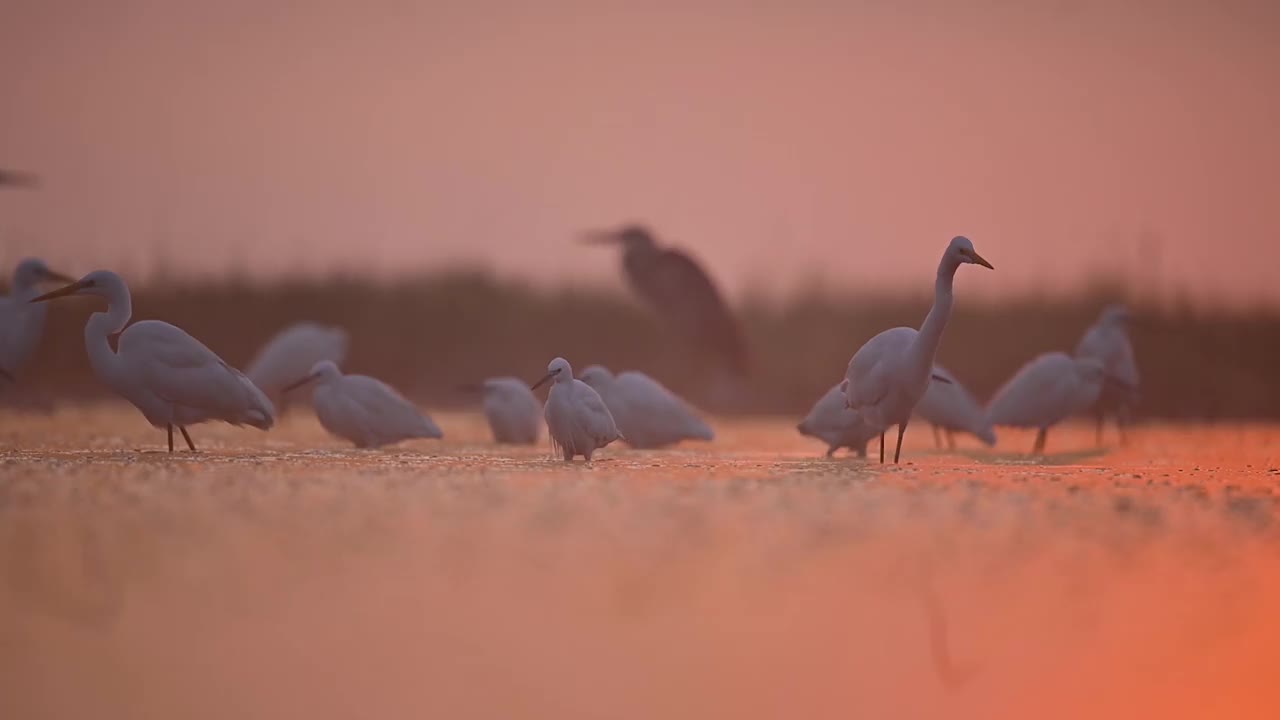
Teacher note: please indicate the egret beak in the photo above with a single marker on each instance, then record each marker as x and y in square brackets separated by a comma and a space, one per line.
[51, 276]
[71, 289]
[298, 384]
[544, 379]
[941, 379]
[600, 237]
[976, 258]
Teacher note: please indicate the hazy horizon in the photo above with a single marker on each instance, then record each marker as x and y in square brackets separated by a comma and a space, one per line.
[779, 142]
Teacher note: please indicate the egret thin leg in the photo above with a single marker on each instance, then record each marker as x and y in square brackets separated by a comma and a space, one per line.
[902, 430]
[186, 437]
[937, 440]
[1040, 438]
[881, 448]
[170, 426]
[951, 440]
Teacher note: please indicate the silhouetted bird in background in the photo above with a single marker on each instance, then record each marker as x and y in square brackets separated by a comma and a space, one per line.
[17, 178]
[681, 292]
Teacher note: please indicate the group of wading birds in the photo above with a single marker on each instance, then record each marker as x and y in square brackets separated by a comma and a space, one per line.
[176, 381]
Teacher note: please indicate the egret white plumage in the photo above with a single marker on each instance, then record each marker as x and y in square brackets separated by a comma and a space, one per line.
[291, 354]
[834, 423]
[22, 323]
[364, 410]
[891, 371]
[513, 411]
[647, 414]
[577, 417]
[1107, 341]
[167, 374]
[949, 407]
[1044, 392]
[680, 292]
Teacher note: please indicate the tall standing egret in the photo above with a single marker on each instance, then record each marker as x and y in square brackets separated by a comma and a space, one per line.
[1044, 392]
[949, 407]
[167, 374]
[680, 292]
[834, 423]
[364, 410]
[292, 353]
[889, 374]
[22, 323]
[647, 413]
[577, 417]
[513, 411]
[1107, 341]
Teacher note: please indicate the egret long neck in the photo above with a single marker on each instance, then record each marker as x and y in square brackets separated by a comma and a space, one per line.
[97, 335]
[930, 335]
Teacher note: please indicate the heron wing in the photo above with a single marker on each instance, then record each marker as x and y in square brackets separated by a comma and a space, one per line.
[871, 370]
[951, 406]
[662, 411]
[388, 413]
[1038, 395]
[292, 352]
[595, 421]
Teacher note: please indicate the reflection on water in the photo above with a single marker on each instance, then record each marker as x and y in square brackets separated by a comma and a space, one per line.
[282, 575]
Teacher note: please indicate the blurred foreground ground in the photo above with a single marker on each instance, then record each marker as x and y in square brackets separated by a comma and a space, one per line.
[282, 574]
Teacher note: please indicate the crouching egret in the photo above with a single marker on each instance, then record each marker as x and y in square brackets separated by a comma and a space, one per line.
[513, 411]
[1046, 391]
[949, 407]
[167, 374]
[889, 374]
[834, 423]
[647, 414]
[1107, 341]
[22, 323]
[364, 410]
[292, 353]
[577, 417]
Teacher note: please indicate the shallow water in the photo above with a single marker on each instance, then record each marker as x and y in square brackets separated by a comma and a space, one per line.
[285, 575]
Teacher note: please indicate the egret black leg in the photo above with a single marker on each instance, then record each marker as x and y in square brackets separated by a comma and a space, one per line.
[831, 451]
[951, 440]
[937, 440]
[170, 425]
[902, 430]
[186, 437]
[1040, 438]
[881, 448]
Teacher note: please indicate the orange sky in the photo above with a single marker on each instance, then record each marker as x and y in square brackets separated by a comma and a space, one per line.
[779, 140]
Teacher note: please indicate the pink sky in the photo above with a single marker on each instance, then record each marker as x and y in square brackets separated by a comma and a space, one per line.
[778, 140]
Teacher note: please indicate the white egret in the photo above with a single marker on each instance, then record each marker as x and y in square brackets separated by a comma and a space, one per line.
[834, 423]
[364, 410]
[22, 323]
[167, 374]
[577, 417]
[889, 374]
[1046, 391]
[292, 353]
[680, 292]
[513, 411]
[1107, 341]
[647, 414]
[949, 407]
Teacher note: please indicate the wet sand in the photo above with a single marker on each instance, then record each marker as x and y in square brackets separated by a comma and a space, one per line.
[283, 574]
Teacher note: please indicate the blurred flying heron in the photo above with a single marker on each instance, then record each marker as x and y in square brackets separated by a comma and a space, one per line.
[676, 287]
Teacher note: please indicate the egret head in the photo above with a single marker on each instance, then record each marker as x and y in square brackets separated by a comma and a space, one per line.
[558, 370]
[961, 251]
[1115, 315]
[323, 371]
[597, 376]
[99, 283]
[630, 237]
[32, 271]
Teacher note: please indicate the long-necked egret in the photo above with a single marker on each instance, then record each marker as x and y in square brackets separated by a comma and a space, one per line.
[1044, 392]
[889, 374]
[292, 353]
[678, 290]
[949, 407]
[167, 374]
[1107, 341]
[364, 410]
[513, 411]
[21, 323]
[834, 423]
[647, 414]
[577, 417]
